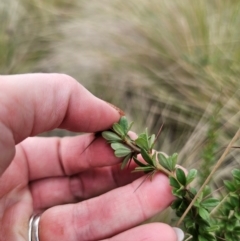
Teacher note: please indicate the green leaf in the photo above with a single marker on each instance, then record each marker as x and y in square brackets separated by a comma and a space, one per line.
[174, 160]
[201, 238]
[115, 146]
[146, 157]
[174, 182]
[237, 215]
[231, 225]
[193, 191]
[181, 176]
[228, 206]
[236, 174]
[170, 165]
[142, 143]
[189, 224]
[202, 222]
[230, 186]
[237, 229]
[206, 237]
[138, 162]
[197, 203]
[163, 161]
[126, 161]
[124, 124]
[110, 136]
[233, 194]
[234, 200]
[203, 226]
[119, 129]
[130, 126]
[122, 152]
[179, 192]
[179, 213]
[120, 149]
[212, 228]
[151, 141]
[200, 197]
[206, 191]
[203, 213]
[176, 203]
[210, 202]
[191, 175]
[229, 236]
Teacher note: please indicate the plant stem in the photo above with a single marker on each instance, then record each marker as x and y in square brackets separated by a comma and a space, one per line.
[165, 171]
[129, 143]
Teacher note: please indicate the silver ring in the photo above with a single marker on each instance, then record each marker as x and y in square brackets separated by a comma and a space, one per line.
[33, 228]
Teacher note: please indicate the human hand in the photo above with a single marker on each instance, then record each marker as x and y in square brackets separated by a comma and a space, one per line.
[74, 181]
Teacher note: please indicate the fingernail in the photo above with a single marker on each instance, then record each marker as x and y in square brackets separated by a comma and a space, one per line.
[121, 112]
[180, 233]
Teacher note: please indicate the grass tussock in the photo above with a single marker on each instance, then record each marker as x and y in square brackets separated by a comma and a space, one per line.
[176, 61]
[26, 30]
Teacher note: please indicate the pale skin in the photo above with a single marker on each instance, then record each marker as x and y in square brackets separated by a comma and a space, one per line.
[75, 181]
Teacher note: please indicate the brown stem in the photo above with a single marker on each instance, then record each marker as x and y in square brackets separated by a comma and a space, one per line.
[130, 144]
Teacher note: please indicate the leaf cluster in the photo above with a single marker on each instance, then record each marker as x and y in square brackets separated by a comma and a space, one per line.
[228, 216]
[118, 138]
[199, 222]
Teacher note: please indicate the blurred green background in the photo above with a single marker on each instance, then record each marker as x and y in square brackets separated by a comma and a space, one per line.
[172, 62]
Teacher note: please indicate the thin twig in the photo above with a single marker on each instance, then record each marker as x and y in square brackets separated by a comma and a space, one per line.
[128, 142]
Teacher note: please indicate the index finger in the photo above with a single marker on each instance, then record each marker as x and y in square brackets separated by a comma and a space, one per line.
[34, 103]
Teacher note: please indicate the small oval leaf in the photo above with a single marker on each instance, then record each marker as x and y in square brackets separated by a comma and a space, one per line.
[191, 175]
[174, 183]
[236, 174]
[181, 176]
[115, 146]
[142, 143]
[210, 202]
[203, 213]
[174, 160]
[122, 152]
[123, 122]
[146, 157]
[230, 186]
[118, 129]
[110, 136]
[163, 161]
